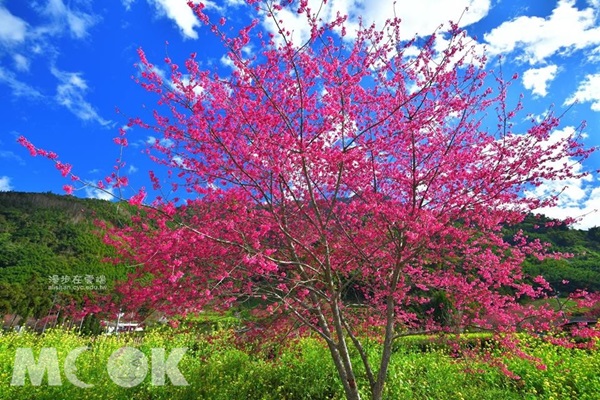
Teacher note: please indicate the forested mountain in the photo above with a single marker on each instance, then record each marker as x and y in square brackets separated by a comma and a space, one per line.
[582, 270]
[50, 249]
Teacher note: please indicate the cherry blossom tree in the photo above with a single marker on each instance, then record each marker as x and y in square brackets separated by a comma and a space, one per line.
[357, 182]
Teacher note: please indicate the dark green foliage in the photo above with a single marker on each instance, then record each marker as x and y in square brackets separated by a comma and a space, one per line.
[91, 325]
[582, 271]
[44, 235]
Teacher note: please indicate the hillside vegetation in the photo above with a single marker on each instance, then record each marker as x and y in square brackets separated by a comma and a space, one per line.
[50, 240]
[581, 271]
[45, 237]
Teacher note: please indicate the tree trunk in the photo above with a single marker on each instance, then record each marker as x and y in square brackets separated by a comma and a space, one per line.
[346, 375]
[340, 354]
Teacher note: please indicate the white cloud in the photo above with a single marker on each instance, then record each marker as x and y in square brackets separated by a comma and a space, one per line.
[37, 49]
[565, 30]
[227, 62]
[94, 193]
[164, 142]
[185, 79]
[166, 79]
[127, 4]
[587, 209]
[577, 196]
[157, 70]
[418, 18]
[56, 19]
[537, 79]
[423, 17]
[21, 62]
[594, 3]
[12, 29]
[5, 185]
[472, 48]
[178, 161]
[588, 91]
[11, 156]
[180, 13]
[70, 93]
[77, 21]
[19, 89]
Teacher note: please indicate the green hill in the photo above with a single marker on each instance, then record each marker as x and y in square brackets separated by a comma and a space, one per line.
[582, 271]
[49, 251]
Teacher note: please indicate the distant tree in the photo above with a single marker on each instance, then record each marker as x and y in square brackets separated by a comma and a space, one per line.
[594, 234]
[342, 166]
[8, 294]
[90, 325]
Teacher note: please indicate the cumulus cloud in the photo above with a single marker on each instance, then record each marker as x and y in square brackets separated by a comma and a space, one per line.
[537, 79]
[5, 185]
[420, 18]
[536, 39]
[12, 29]
[94, 193]
[588, 91]
[424, 17]
[577, 197]
[70, 93]
[180, 13]
[587, 208]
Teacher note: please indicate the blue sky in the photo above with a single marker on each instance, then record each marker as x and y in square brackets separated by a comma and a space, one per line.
[66, 65]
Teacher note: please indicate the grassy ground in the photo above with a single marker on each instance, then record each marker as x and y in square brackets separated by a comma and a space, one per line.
[217, 367]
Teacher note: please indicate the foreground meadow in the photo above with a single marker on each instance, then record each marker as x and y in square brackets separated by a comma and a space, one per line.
[217, 366]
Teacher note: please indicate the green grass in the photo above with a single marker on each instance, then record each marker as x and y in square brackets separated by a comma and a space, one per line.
[217, 367]
[558, 304]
